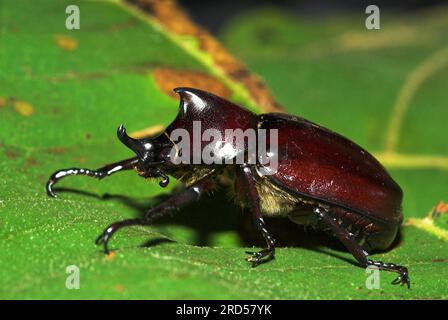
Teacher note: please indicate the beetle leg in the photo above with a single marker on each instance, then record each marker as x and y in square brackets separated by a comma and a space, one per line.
[357, 251]
[99, 173]
[267, 254]
[191, 194]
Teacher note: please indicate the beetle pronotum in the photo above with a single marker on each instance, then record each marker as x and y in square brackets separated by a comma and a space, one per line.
[322, 178]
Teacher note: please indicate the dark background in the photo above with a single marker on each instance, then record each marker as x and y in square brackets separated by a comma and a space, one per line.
[213, 14]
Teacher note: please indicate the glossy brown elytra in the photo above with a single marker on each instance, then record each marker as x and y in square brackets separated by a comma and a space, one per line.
[321, 178]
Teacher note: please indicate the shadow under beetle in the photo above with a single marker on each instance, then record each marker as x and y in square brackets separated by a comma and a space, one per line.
[323, 179]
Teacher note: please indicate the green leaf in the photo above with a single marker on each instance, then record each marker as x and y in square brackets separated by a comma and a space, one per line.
[63, 94]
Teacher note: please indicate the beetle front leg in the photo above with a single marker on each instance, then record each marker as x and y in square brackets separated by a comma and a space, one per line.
[99, 173]
[356, 250]
[193, 193]
[267, 254]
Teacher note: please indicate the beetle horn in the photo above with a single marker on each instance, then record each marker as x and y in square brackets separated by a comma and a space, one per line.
[133, 144]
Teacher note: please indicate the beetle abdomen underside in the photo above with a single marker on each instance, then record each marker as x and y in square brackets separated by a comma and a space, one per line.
[370, 234]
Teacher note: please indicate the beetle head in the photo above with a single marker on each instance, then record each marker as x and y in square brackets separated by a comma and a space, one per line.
[149, 152]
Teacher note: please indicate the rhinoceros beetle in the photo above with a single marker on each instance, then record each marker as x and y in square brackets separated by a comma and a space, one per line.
[322, 178]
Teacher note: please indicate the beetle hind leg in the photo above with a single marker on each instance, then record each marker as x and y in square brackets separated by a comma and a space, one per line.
[403, 274]
[265, 255]
[358, 252]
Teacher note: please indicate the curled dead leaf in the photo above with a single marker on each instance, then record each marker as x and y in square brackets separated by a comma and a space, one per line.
[167, 79]
[173, 18]
[148, 132]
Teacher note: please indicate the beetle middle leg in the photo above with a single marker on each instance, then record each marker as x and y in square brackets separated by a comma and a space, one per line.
[267, 254]
[358, 252]
[99, 173]
[193, 193]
